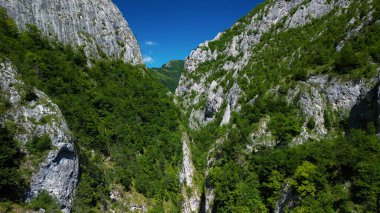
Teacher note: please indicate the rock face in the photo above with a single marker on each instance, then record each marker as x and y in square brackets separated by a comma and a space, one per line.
[58, 173]
[319, 94]
[98, 25]
[366, 110]
[295, 13]
[286, 199]
[133, 201]
[261, 23]
[190, 192]
[219, 80]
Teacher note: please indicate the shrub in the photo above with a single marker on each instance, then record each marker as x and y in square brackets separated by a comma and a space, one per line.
[44, 201]
[39, 144]
[302, 75]
[311, 123]
[348, 60]
[6, 207]
[285, 127]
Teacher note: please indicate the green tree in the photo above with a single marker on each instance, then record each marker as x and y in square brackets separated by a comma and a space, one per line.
[273, 187]
[11, 183]
[347, 60]
[305, 176]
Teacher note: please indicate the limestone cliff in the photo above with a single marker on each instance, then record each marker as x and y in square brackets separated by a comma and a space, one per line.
[190, 192]
[246, 34]
[225, 78]
[98, 26]
[58, 172]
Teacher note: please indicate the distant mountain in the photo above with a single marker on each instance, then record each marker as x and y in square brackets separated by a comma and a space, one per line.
[169, 74]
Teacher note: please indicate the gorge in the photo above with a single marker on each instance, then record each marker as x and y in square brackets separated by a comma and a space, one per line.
[279, 113]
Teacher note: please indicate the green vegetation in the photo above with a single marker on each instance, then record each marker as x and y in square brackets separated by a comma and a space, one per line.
[169, 74]
[11, 183]
[39, 145]
[291, 55]
[44, 201]
[333, 174]
[311, 123]
[203, 141]
[124, 122]
[30, 96]
[338, 173]
[221, 43]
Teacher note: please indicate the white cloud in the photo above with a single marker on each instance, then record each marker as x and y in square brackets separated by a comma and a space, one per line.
[151, 43]
[148, 60]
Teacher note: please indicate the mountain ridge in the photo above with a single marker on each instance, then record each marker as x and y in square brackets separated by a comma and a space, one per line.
[169, 73]
[97, 26]
[286, 74]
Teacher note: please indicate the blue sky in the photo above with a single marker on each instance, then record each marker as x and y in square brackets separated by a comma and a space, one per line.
[170, 29]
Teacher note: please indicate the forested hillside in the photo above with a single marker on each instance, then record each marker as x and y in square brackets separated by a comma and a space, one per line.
[169, 73]
[124, 123]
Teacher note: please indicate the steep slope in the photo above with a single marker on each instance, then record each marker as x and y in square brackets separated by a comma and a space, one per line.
[169, 74]
[34, 116]
[97, 26]
[190, 192]
[288, 73]
[124, 124]
[231, 51]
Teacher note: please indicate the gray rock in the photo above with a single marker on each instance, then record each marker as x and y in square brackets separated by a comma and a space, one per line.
[313, 10]
[58, 173]
[214, 101]
[232, 105]
[193, 87]
[98, 25]
[190, 192]
[341, 94]
[274, 12]
[321, 92]
[131, 200]
[286, 199]
[355, 31]
[261, 137]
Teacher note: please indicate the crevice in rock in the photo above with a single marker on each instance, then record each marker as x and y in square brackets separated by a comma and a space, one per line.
[202, 206]
[64, 153]
[366, 111]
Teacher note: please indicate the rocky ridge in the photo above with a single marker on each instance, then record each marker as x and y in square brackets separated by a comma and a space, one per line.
[317, 96]
[98, 26]
[209, 90]
[297, 13]
[192, 90]
[58, 173]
